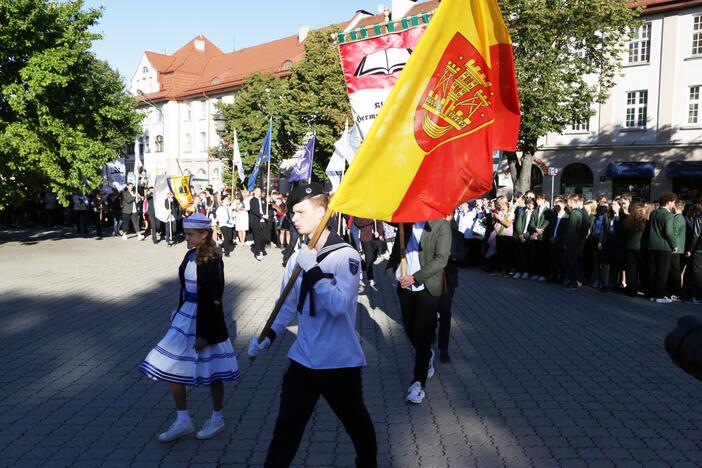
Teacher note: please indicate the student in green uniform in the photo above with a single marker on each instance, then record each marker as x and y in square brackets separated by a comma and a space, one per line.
[674, 274]
[632, 232]
[661, 245]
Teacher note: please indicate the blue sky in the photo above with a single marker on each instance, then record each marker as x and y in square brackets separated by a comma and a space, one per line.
[129, 27]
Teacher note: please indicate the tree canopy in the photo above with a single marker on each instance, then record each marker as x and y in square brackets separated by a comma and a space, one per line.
[63, 112]
[312, 99]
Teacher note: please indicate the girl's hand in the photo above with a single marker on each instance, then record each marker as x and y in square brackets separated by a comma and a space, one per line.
[200, 344]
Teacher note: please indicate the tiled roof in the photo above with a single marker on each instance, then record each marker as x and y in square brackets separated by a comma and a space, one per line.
[417, 9]
[661, 6]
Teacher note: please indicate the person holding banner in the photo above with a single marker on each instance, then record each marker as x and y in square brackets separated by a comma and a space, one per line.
[326, 358]
[419, 290]
[196, 349]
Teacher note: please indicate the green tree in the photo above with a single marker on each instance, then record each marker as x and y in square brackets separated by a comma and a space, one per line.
[317, 99]
[63, 112]
[567, 57]
[312, 99]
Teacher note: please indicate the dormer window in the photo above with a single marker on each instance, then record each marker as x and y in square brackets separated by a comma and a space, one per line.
[199, 45]
[215, 81]
[145, 70]
[287, 65]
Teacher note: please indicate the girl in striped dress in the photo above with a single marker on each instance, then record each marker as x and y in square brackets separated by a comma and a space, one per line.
[196, 349]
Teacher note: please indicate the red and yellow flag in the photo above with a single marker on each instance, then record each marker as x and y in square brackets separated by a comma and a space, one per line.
[431, 146]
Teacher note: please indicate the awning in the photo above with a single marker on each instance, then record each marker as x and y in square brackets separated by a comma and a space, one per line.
[631, 169]
[684, 169]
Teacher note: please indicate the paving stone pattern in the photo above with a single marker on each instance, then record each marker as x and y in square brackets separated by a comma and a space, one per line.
[540, 376]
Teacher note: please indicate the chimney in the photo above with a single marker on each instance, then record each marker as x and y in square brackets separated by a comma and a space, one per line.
[302, 33]
[400, 8]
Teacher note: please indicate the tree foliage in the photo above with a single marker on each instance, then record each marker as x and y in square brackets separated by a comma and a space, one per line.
[63, 112]
[312, 99]
[567, 57]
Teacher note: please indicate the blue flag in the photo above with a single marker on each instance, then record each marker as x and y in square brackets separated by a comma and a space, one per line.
[263, 157]
[302, 172]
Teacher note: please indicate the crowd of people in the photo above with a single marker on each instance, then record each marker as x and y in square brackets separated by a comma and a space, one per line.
[639, 248]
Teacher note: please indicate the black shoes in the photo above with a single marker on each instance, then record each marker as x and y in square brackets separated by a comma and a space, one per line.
[444, 357]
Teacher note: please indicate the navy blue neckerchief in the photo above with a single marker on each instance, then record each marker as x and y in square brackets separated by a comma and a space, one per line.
[310, 278]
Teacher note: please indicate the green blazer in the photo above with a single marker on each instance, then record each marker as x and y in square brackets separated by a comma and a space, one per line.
[679, 229]
[574, 227]
[661, 234]
[520, 225]
[434, 254]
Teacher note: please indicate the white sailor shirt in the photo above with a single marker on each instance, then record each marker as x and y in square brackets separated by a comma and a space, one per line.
[326, 336]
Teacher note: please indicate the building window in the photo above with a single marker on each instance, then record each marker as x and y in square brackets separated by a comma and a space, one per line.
[580, 125]
[203, 110]
[640, 44]
[697, 35]
[203, 141]
[145, 70]
[159, 143]
[188, 111]
[693, 110]
[636, 106]
[188, 143]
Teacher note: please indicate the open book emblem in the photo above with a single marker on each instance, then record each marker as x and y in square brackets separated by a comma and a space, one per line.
[383, 62]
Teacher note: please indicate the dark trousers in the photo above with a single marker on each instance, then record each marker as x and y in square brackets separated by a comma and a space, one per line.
[632, 260]
[341, 388]
[290, 249]
[674, 279]
[556, 256]
[226, 239]
[259, 244]
[522, 255]
[574, 261]
[445, 302]
[98, 223]
[155, 228]
[474, 248]
[81, 221]
[505, 252]
[538, 258]
[697, 272]
[126, 218]
[370, 252]
[658, 268]
[419, 310]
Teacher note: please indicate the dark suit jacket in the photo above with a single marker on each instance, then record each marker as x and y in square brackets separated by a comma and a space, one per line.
[434, 252]
[127, 202]
[366, 227]
[255, 211]
[209, 323]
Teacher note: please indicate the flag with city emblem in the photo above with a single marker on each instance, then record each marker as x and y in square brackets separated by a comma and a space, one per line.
[456, 101]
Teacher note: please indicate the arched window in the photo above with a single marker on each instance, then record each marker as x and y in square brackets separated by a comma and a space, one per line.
[215, 81]
[145, 70]
[159, 143]
[287, 65]
[537, 179]
[577, 178]
[201, 174]
[188, 143]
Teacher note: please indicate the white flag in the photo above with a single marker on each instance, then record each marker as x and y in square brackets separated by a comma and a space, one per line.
[160, 196]
[236, 158]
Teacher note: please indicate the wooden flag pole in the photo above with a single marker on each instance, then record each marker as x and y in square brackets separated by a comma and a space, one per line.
[296, 272]
[403, 260]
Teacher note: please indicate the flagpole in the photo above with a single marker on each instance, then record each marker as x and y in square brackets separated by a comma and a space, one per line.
[296, 272]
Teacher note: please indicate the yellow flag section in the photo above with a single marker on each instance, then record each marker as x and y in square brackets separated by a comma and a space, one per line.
[180, 186]
[431, 146]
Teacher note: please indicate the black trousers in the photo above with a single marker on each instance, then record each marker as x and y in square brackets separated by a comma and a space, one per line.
[226, 239]
[538, 258]
[134, 218]
[674, 279]
[419, 310]
[505, 252]
[370, 252]
[658, 268]
[445, 302]
[574, 261]
[342, 390]
[259, 244]
[155, 227]
[522, 255]
[556, 261]
[290, 249]
[632, 261]
[697, 272]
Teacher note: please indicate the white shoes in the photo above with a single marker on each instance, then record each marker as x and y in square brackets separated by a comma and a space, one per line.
[259, 257]
[541, 279]
[210, 429]
[517, 275]
[664, 300]
[415, 394]
[525, 275]
[371, 283]
[140, 237]
[430, 371]
[124, 237]
[176, 431]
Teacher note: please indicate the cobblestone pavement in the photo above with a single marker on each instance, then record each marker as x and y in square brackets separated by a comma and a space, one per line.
[540, 376]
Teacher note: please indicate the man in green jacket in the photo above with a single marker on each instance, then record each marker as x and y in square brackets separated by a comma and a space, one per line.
[661, 245]
[427, 251]
[574, 237]
[679, 230]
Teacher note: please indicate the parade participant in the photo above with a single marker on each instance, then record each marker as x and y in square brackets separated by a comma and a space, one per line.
[419, 291]
[326, 358]
[225, 221]
[661, 246]
[130, 197]
[196, 349]
[257, 221]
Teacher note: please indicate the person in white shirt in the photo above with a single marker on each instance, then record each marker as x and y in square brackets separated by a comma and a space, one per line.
[225, 221]
[326, 358]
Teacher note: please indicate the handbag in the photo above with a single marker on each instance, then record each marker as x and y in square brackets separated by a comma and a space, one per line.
[479, 229]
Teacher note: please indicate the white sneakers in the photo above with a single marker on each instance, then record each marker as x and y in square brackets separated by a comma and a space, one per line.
[180, 429]
[415, 394]
[430, 371]
[664, 300]
[371, 283]
[210, 429]
[176, 431]
[124, 237]
[525, 275]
